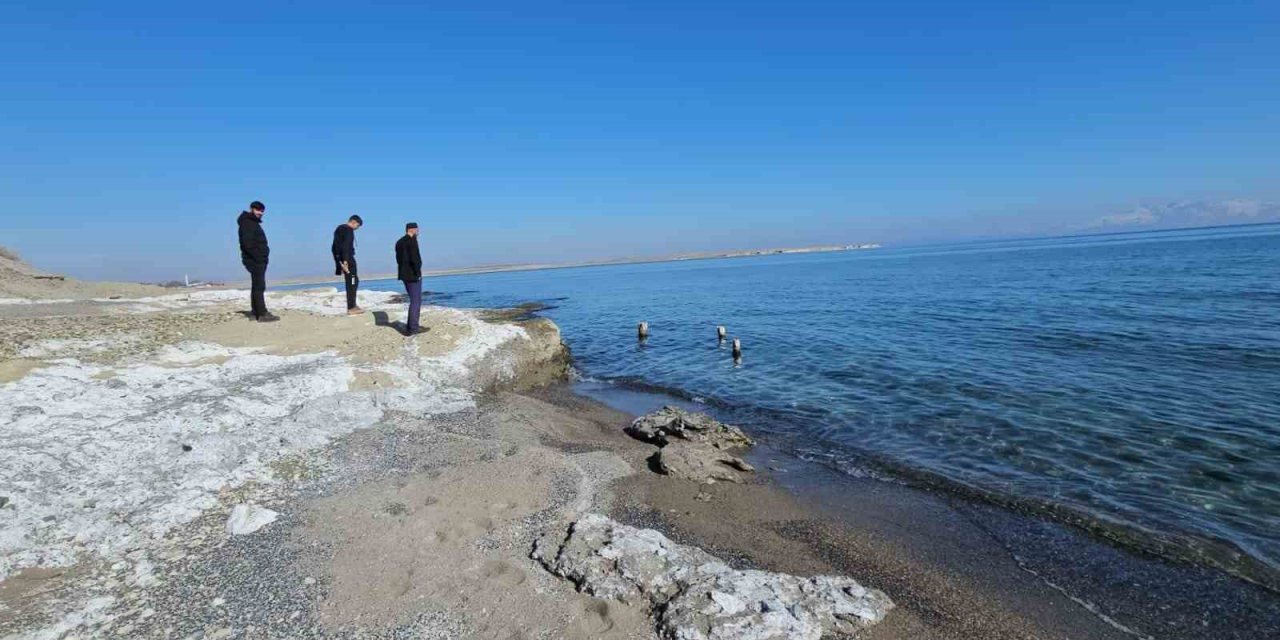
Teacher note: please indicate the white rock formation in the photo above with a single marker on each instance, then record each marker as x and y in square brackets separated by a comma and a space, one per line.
[247, 518]
[99, 460]
[695, 596]
[669, 423]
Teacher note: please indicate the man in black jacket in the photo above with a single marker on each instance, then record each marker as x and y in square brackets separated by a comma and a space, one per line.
[254, 254]
[409, 267]
[344, 260]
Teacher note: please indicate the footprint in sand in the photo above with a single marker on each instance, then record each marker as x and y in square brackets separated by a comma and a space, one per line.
[483, 525]
[405, 583]
[503, 506]
[503, 573]
[595, 617]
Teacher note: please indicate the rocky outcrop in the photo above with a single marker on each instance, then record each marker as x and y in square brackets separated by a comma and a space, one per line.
[694, 446]
[248, 518]
[695, 596]
[673, 423]
[539, 357]
[700, 462]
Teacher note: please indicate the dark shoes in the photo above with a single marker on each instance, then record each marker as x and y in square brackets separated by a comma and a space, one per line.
[267, 317]
[419, 330]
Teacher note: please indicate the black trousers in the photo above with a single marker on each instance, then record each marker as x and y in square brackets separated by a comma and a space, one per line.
[414, 289]
[258, 288]
[352, 280]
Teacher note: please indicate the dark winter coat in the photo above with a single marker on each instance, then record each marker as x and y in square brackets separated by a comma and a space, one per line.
[253, 240]
[344, 248]
[408, 260]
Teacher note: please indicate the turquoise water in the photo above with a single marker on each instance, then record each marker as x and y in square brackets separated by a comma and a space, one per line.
[1135, 377]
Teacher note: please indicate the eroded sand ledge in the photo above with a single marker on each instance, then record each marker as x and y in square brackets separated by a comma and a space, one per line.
[134, 432]
[128, 420]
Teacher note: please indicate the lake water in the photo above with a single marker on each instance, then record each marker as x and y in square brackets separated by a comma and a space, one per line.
[1134, 377]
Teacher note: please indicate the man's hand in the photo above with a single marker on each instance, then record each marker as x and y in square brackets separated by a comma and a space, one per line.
[345, 269]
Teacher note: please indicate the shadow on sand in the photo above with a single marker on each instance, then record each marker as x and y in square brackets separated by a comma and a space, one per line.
[381, 319]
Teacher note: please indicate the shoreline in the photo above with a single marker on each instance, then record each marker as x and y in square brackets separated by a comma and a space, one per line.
[1180, 546]
[1025, 560]
[417, 519]
[459, 271]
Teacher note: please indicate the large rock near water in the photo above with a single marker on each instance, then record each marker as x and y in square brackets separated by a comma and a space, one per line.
[696, 596]
[669, 424]
[700, 462]
[693, 445]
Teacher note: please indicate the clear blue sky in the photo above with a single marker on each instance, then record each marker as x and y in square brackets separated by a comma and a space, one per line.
[131, 134]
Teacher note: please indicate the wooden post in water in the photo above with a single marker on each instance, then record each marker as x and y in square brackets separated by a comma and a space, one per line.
[737, 349]
[720, 333]
[642, 331]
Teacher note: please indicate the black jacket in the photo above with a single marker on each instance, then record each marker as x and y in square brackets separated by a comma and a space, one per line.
[344, 248]
[408, 260]
[253, 240]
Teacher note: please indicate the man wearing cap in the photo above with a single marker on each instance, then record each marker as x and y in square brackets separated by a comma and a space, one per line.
[344, 260]
[409, 265]
[254, 254]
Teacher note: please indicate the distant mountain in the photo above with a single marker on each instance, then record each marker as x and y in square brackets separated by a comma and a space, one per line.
[1176, 215]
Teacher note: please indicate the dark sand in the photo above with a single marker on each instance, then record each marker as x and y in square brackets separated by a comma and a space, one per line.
[955, 568]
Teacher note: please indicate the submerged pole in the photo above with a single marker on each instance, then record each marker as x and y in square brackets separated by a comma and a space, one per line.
[721, 333]
[737, 349]
[642, 331]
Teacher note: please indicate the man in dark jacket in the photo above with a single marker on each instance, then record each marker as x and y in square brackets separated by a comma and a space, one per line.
[344, 260]
[409, 266]
[254, 254]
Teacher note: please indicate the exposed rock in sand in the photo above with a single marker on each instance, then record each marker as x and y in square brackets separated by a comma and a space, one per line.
[247, 518]
[693, 445]
[447, 526]
[670, 423]
[700, 462]
[695, 596]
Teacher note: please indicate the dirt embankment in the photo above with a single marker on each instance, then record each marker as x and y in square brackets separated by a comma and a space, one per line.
[21, 280]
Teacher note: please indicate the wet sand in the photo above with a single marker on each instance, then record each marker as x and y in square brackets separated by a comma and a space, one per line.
[955, 568]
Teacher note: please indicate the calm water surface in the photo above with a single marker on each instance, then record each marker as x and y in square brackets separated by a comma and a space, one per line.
[1135, 376]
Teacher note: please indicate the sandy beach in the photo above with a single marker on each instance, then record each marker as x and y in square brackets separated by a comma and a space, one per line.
[640, 321]
[174, 470]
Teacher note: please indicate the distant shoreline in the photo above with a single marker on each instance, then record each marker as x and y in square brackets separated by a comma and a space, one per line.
[747, 253]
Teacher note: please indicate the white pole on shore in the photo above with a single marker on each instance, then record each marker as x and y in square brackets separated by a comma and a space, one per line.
[642, 331]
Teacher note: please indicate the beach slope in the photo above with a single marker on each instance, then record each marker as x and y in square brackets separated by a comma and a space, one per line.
[173, 469]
